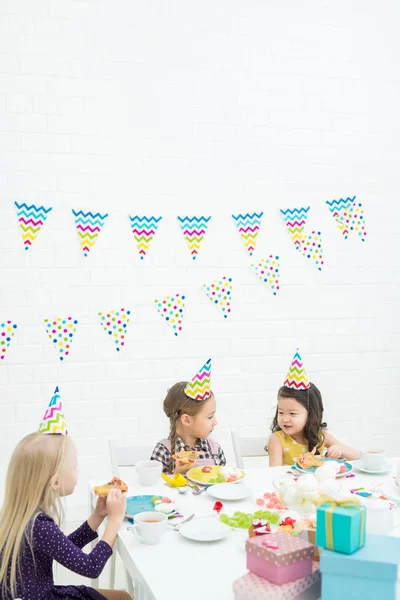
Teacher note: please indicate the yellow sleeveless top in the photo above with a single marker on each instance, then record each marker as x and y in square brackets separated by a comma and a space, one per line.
[292, 449]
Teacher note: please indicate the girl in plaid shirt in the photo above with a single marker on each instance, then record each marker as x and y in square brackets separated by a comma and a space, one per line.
[190, 408]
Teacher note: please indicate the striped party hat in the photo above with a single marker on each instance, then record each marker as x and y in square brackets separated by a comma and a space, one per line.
[200, 386]
[297, 377]
[53, 420]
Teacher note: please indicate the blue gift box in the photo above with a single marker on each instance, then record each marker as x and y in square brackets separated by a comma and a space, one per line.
[341, 526]
[372, 573]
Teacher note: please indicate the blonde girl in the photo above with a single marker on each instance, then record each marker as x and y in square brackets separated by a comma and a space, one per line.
[42, 470]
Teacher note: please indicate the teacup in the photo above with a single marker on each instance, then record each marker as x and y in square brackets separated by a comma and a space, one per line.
[148, 471]
[150, 526]
[373, 459]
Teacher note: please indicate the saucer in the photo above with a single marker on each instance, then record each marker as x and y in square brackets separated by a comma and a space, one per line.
[226, 491]
[386, 469]
[204, 530]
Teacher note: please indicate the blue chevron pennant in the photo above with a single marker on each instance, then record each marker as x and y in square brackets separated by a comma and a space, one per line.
[88, 226]
[249, 226]
[194, 229]
[295, 220]
[31, 220]
[144, 230]
[349, 216]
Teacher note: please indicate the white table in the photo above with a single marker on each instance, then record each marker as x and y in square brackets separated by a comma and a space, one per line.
[179, 568]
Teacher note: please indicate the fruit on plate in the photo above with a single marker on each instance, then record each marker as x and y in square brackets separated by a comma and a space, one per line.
[241, 520]
[271, 501]
[207, 469]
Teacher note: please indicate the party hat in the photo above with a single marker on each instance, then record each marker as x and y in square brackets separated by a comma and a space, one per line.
[53, 420]
[200, 386]
[297, 377]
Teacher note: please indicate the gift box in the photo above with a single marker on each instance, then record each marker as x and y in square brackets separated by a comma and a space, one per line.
[253, 587]
[372, 573]
[306, 530]
[279, 557]
[341, 525]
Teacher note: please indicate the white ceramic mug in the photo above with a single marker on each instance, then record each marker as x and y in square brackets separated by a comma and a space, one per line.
[381, 519]
[373, 459]
[150, 526]
[148, 471]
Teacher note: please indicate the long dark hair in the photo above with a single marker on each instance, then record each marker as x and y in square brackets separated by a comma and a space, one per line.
[311, 399]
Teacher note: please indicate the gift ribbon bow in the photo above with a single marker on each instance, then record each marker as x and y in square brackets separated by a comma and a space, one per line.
[345, 503]
[271, 545]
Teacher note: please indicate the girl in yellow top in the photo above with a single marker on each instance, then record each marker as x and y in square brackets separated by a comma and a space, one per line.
[298, 425]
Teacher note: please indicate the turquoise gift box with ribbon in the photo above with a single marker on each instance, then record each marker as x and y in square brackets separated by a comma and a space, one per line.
[373, 573]
[341, 525]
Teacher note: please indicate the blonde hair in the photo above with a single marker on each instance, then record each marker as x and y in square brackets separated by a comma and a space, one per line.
[33, 464]
[176, 404]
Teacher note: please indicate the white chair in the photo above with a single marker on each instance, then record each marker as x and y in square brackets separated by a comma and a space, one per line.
[127, 456]
[248, 447]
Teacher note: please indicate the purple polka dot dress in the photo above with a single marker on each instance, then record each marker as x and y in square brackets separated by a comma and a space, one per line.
[49, 543]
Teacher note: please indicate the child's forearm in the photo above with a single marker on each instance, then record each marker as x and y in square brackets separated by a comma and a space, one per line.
[350, 453]
[112, 530]
[95, 520]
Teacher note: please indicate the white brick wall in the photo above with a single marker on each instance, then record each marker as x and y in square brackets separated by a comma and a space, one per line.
[211, 108]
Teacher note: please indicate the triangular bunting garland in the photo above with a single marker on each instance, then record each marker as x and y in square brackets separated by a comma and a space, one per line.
[349, 216]
[295, 220]
[144, 230]
[296, 377]
[31, 220]
[249, 226]
[171, 308]
[88, 226]
[7, 332]
[194, 230]
[268, 271]
[61, 332]
[115, 324]
[54, 420]
[220, 294]
[310, 246]
[200, 386]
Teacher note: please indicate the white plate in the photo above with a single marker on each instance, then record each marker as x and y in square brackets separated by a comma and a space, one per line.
[205, 530]
[386, 469]
[226, 491]
[390, 490]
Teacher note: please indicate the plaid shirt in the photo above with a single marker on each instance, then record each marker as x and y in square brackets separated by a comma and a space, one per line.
[163, 455]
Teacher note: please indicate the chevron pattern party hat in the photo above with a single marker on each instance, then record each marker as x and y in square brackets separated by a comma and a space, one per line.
[200, 386]
[53, 420]
[297, 377]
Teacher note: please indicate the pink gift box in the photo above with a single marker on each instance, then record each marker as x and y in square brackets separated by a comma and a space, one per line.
[288, 558]
[253, 587]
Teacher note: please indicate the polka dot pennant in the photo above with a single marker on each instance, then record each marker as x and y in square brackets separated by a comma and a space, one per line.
[7, 332]
[268, 271]
[220, 294]
[61, 332]
[349, 216]
[311, 247]
[115, 324]
[171, 308]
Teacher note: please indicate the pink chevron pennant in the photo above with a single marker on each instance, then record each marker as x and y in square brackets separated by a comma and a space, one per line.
[194, 229]
[144, 229]
[88, 226]
[249, 226]
[295, 220]
[31, 220]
